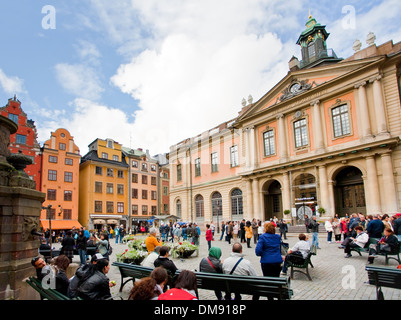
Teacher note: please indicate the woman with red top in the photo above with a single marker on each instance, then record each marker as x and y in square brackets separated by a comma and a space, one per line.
[184, 288]
[209, 236]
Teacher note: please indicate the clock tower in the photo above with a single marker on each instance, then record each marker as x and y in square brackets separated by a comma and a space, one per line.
[313, 45]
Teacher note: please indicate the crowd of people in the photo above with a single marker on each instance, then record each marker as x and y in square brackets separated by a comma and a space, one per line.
[90, 281]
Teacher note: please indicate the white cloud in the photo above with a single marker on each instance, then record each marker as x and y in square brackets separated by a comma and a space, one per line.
[11, 85]
[79, 80]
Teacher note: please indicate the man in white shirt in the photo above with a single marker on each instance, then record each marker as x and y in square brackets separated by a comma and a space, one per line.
[150, 259]
[359, 241]
[236, 264]
[299, 251]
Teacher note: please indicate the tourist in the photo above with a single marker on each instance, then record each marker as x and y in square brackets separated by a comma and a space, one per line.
[255, 230]
[212, 264]
[82, 273]
[223, 228]
[260, 229]
[375, 227]
[269, 249]
[161, 277]
[329, 229]
[209, 236]
[117, 234]
[397, 226]
[67, 246]
[149, 261]
[196, 232]
[236, 264]
[344, 228]
[151, 241]
[42, 269]
[163, 261]
[229, 231]
[103, 245]
[97, 286]
[358, 242]
[248, 233]
[61, 264]
[336, 230]
[283, 227]
[212, 228]
[184, 288]
[81, 243]
[121, 232]
[307, 220]
[314, 226]
[386, 221]
[144, 289]
[388, 244]
[242, 231]
[298, 253]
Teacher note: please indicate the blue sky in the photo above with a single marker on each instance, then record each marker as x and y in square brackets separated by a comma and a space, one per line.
[149, 74]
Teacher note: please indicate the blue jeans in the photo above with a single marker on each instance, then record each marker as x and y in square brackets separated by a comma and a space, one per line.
[82, 256]
[117, 238]
[315, 240]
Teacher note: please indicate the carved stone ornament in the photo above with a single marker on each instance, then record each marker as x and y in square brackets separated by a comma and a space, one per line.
[295, 88]
[30, 224]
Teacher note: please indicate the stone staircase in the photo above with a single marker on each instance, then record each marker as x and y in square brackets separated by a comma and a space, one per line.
[302, 229]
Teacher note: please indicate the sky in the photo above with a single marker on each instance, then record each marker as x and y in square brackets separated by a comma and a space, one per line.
[149, 74]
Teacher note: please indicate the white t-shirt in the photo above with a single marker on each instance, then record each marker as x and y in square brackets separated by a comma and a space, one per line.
[303, 247]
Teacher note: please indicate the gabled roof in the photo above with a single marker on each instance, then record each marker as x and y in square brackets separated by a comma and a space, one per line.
[93, 156]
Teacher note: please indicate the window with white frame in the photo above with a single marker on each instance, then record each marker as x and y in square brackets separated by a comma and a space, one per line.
[341, 123]
[215, 162]
[269, 143]
[234, 156]
[301, 133]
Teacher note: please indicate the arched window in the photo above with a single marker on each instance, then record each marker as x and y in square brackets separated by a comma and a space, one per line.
[217, 208]
[236, 202]
[178, 208]
[199, 206]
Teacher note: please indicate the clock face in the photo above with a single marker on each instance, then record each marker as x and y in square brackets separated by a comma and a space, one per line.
[295, 87]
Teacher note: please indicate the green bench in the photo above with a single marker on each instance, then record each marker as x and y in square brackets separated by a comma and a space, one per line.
[305, 265]
[387, 255]
[271, 287]
[383, 277]
[46, 294]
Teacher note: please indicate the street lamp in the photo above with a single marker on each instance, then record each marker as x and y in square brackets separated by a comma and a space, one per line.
[49, 216]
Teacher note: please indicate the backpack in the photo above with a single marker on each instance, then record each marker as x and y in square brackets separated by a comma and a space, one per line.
[110, 250]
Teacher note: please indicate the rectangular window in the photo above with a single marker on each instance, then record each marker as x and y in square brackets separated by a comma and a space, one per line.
[109, 206]
[98, 187]
[53, 159]
[99, 171]
[67, 214]
[144, 194]
[116, 158]
[105, 155]
[234, 156]
[13, 117]
[165, 191]
[134, 209]
[134, 193]
[98, 206]
[144, 179]
[197, 167]
[179, 172]
[120, 189]
[120, 207]
[154, 209]
[69, 162]
[110, 144]
[341, 123]
[144, 166]
[144, 210]
[215, 164]
[67, 195]
[51, 194]
[67, 176]
[21, 139]
[52, 175]
[110, 172]
[153, 181]
[269, 142]
[134, 178]
[109, 188]
[301, 134]
[134, 164]
[120, 174]
[62, 146]
[153, 195]
[153, 167]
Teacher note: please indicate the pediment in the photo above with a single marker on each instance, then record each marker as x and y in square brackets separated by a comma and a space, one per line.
[298, 82]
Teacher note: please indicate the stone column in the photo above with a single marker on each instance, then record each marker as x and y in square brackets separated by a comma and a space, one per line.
[380, 111]
[256, 202]
[331, 198]
[317, 125]
[285, 192]
[373, 196]
[249, 198]
[324, 189]
[252, 146]
[363, 110]
[390, 196]
[245, 133]
[282, 138]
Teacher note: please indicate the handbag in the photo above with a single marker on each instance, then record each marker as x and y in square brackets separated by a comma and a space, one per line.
[284, 248]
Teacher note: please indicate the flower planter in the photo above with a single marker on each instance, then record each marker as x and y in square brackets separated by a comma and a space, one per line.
[136, 261]
[185, 254]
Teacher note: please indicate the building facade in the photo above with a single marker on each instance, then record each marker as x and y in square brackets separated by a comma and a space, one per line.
[103, 187]
[25, 139]
[324, 140]
[60, 180]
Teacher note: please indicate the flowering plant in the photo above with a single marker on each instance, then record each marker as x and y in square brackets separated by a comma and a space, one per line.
[182, 249]
[137, 244]
[133, 255]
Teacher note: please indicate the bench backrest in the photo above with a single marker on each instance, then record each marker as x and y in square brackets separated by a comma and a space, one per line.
[386, 277]
[49, 294]
[133, 270]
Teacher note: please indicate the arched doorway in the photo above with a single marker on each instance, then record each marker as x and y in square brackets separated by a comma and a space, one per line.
[272, 200]
[305, 196]
[349, 192]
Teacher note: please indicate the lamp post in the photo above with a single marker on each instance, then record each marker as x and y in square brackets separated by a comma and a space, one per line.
[49, 216]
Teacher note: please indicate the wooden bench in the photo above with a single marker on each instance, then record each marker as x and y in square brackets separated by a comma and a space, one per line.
[387, 255]
[383, 277]
[272, 287]
[305, 265]
[46, 294]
